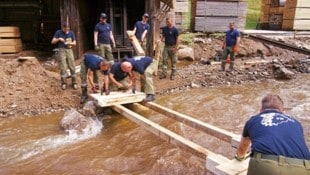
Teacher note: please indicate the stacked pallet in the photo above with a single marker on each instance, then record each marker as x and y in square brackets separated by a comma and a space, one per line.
[181, 14]
[10, 41]
[214, 16]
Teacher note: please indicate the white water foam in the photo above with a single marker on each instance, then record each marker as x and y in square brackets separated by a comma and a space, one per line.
[32, 148]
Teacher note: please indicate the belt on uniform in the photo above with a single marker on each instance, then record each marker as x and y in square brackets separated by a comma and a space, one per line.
[288, 160]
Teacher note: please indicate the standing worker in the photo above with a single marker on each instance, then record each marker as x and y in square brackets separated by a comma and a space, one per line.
[145, 66]
[171, 36]
[89, 66]
[103, 36]
[230, 46]
[277, 142]
[141, 29]
[65, 39]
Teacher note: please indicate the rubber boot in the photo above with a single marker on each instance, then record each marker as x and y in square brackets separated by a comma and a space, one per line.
[173, 72]
[163, 74]
[223, 66]
[84, 96]
[74, 83]
[231, 66]
[63, 83]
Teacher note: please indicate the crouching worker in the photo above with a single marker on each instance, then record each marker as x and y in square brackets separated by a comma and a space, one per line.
[145, 66]
[89, 66]
[277, 141]
[117, 78]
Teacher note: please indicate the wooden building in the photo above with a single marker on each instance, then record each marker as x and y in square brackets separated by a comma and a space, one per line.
[285, 15]
[215, 15]
[39, 19]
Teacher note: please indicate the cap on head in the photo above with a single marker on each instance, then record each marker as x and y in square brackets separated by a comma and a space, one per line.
[103, 15]
[146, 15]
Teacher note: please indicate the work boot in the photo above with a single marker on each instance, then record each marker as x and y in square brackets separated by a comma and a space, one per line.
[63, 83]
[149, 97]
[223, 66]
[231, 66]
[162, 76]
[74, 83]
[84, 96]
[63, 86]
[172, 74]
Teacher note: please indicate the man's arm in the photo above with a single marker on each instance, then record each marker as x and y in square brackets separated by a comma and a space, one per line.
[90, 75]
[95, 38]
[111, 76]
[243, 147]
[112, 39]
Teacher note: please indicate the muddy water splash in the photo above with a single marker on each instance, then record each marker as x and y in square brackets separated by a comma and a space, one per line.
[122, 147]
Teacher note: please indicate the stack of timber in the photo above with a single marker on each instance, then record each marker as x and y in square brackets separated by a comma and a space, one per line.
[288, 15]
[214, 16]
[10, 41]
[296, 15]
[181, 14]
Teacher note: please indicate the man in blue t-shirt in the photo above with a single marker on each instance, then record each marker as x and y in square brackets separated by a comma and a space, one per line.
[89, 67]
[277, 142]
[65, 39]
[230, 46]
[171, 36]
[118, 78]
[141, 29]
[103, 36]
[145, 66]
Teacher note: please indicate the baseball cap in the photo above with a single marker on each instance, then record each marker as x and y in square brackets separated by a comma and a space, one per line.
[103, 15]
[146, 15]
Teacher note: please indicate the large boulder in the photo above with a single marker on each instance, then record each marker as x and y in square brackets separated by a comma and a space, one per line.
[281, 72]
[186, 53]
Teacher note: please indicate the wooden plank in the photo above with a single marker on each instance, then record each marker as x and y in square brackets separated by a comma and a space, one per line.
[224, 135]
[162, 132]
[256, 62]
[136, 45]
[11, 49]
[116, 98]
[9, 29]
[215, 163]
[218, 24]
[301, 24]
[10, 41]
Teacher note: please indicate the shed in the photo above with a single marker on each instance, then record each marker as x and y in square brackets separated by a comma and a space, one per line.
[285, 15]
[39, 19]
[215, 15]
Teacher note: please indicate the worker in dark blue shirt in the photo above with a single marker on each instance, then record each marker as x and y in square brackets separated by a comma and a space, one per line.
[141, 29]
[230, 46]
[65, 40]
[277, 142]
[103, 36]
[89, 67]
[117, 78]
[171, 36]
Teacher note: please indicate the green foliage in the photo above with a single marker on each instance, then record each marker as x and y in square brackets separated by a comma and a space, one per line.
[253, 12]
[187, 38]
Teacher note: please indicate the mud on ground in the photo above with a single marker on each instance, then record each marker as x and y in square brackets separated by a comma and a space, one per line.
[32, 87]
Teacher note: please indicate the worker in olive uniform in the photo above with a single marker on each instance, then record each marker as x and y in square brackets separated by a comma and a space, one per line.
[65, 39]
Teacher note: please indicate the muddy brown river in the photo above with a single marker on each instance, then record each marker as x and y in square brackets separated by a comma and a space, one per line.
[116, 145]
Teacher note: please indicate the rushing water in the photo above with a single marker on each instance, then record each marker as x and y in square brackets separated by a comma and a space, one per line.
[38, 145]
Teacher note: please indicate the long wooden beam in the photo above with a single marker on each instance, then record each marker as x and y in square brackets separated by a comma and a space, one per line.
[222, 134]
[215, 163]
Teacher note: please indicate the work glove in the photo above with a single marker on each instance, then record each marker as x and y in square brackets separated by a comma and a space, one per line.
[235, 49]
[133, 89]
[94, 90]
[97, 48]
[239, 158]
[107, 91]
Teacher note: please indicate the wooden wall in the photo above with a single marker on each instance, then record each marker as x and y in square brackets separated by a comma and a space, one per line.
[215, 15]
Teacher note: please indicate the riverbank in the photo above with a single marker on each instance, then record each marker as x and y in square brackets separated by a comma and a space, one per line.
[30, 88]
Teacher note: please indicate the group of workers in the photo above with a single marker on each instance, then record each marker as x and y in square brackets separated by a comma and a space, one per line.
[115, 73]
[277, 140]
